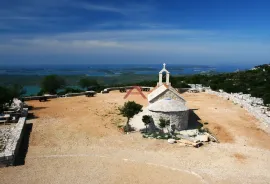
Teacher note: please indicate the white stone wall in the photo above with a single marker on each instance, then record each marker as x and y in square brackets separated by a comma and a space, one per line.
[253, 105]
[7, 156]
[179, 119]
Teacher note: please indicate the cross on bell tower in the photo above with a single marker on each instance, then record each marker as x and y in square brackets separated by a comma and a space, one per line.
[167, 76]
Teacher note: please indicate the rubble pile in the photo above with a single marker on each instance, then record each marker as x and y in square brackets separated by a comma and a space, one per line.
[195, 88]
[192, 138]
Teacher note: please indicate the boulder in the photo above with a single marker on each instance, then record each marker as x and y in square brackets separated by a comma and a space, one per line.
[171, 141]
[202, 138]
[187, 142]
[182, 144]
[190, 133]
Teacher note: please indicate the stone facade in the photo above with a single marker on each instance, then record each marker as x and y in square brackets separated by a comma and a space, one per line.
[179, 119]
[165, 102]
[167, 94]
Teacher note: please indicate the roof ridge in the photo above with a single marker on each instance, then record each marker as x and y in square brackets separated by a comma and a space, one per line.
[163, 88]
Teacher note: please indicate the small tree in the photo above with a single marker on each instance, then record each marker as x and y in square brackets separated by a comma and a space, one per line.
[5, 97]
[147, 120]
[87, 82]
[16, 91]
[8, 93]
[130, 109]
[52, 83]
[164, 123]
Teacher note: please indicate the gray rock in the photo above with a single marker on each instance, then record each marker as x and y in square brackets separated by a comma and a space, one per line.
[202, 138]
[190, 133]
[171, 141]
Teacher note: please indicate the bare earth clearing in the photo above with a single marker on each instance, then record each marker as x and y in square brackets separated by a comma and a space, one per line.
[76, 140]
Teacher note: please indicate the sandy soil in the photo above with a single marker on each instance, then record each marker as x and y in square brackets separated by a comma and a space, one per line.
[226, 120]
[76, 140]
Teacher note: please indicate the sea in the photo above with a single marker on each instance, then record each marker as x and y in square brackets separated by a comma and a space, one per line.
[116, 69]
[113, 70]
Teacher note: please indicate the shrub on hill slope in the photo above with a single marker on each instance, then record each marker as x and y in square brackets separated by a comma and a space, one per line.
[255, 81]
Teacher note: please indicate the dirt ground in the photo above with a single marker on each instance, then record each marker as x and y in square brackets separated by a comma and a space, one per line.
[76, 140]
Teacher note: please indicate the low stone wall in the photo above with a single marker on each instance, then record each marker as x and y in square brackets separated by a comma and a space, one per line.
[12, 143]
[56, 96]
[107, 90]
[251, 104]
[183, 90]
[37, 97]
[79, 94]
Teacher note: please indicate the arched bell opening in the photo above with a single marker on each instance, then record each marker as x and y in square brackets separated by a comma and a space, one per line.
[162, 76]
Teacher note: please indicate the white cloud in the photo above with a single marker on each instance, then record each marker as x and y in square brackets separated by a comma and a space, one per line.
[124, 8]
[89, 6]
[53, 46]
[145, 34]
[169, 43]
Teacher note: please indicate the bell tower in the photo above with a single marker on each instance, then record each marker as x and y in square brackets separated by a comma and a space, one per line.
[167, 76]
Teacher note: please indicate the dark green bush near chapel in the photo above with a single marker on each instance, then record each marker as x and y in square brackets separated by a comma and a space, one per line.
[52, 83]
[86, 83]
[128, 110]
[10, 92]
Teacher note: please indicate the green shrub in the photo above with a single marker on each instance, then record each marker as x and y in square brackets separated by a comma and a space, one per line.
[52, 83]
[130, 109]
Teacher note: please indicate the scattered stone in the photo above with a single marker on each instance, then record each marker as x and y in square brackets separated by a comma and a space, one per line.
[202, 138]
[189, 143]
[197, 145]
[182, 144]
[186, 137]
[196, 141]
[212, 138]
[190, 133]
[185, 141]
[171, 141]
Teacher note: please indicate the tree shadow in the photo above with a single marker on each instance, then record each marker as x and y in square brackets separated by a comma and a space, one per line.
[194, 120]
[23, 149]
[38, 108]
[30, 107]
[31, 116]
[183, 90]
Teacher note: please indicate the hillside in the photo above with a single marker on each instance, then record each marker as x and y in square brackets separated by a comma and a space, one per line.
[255, 81]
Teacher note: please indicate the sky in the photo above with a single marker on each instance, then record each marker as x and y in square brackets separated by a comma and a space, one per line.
[134, 32]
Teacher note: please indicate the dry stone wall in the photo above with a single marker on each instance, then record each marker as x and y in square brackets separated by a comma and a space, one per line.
[252, 104]
[11, 142]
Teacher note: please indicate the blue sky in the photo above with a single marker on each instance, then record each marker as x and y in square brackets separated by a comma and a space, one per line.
[134, 31]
